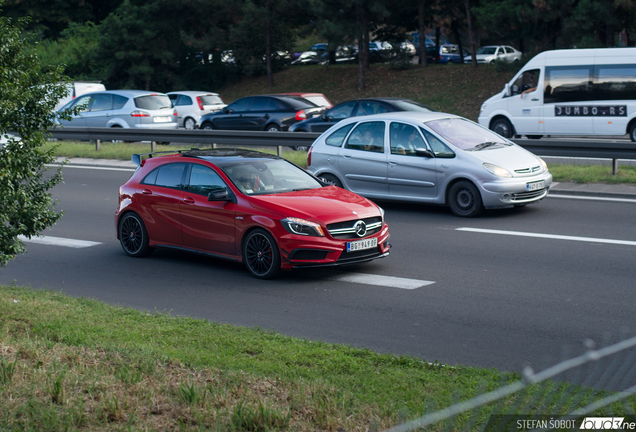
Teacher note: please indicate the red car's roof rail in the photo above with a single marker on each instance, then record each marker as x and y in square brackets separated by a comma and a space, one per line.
[137, 158]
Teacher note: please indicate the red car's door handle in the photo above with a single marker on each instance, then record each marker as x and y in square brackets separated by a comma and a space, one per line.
[147, 192]
[188, 200]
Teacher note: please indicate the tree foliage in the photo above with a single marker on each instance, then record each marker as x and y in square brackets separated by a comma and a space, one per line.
[28, 98]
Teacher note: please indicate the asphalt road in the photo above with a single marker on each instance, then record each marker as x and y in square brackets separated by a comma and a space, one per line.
[500, 298]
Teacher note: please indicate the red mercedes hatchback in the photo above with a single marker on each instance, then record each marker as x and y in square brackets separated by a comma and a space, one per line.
[246, 206]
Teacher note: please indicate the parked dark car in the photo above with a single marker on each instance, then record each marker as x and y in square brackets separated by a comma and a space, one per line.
[357, 107]
[265, 112]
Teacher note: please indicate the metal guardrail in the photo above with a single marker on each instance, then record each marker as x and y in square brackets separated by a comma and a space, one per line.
[202, 137]
[606, 149]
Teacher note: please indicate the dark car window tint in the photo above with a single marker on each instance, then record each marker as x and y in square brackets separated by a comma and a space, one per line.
[369, 108]
[151, 178]
[368, 136]
[170, 175]
[102, 102]
[337, 138]
[184, 100]
[204, 180]
[153, 102]
[261, 104]
[439, 149]
[342, 111]
[405, 139]
[240, 105]
[119, 102]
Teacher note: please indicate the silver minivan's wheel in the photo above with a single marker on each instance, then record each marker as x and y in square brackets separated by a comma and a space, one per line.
[331, 179]
[189, 124]
[261, 255]
[464, 199]
[133, 236]
[503, 127]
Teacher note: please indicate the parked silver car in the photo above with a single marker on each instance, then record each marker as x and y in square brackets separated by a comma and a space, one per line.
[191, 105]
[432, 158]
[123, 108]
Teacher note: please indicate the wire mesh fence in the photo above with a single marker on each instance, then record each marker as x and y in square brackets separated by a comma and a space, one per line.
[590, 391]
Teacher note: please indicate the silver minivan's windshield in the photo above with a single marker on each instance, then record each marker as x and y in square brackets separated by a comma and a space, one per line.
[466, 135]
[268, 176]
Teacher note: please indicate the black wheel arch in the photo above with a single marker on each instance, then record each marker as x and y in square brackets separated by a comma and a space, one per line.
[630, 125]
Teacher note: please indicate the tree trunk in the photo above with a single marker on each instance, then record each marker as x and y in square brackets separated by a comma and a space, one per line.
[422, 30]
[471, 33]
[367, 55]
[361, 51]
[459, 43]
[268, 48]
[437, 35]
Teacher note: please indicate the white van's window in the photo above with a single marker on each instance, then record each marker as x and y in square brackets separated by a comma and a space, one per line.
[567, 84]
[527, 82]
[615, 82]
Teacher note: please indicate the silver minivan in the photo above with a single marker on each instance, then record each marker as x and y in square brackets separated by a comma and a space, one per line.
[429, 157]
[122, 108]
[191, 105]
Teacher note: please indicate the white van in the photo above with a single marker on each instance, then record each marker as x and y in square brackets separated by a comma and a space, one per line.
[78, 88]
[568, 92]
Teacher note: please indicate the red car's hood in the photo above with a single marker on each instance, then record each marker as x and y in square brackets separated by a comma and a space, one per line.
[323, 205]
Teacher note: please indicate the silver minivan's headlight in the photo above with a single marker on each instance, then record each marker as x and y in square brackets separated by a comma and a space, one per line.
[496, 170]
[543, 164]
[302, 227]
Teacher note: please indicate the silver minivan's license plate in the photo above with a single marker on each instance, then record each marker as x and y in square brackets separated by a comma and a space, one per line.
[161, 119]
[535, 185]
[362, 244]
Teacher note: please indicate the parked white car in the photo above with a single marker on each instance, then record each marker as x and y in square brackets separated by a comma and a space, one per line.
[492, 53]
[191, 105]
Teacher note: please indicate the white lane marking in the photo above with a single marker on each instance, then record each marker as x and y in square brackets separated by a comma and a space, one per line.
[549, 236]
[379, 280]
[59, 241]
[93, 167]
[581, 197]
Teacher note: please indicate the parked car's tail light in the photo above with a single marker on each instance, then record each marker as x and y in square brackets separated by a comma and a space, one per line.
[200, 102]
[300, 115]
[496, 170]
[138, 113]
[174, 112]
[309, 157]
[302, 227]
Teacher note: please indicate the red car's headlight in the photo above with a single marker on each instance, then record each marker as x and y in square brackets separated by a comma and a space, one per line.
[302, 227]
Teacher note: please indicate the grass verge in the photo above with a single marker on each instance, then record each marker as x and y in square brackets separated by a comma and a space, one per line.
[122, 151]
[124, 369]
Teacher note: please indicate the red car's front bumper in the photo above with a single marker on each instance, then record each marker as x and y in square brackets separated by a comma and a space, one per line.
[305, 251]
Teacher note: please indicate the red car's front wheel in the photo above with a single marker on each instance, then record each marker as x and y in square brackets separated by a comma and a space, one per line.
[260, 254]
